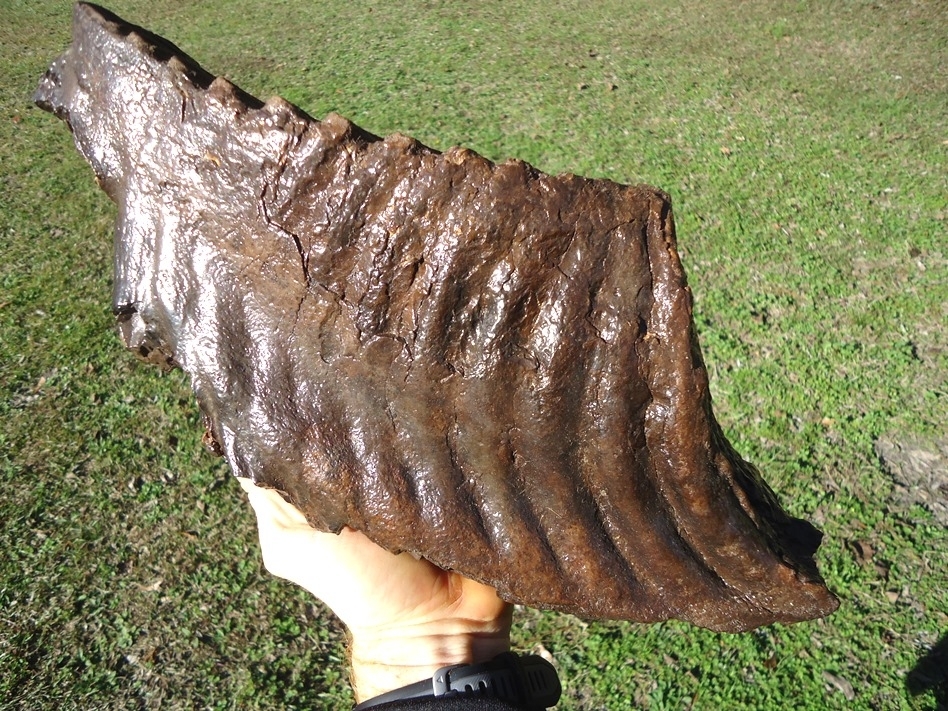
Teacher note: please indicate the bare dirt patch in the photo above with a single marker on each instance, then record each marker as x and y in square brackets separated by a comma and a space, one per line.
[919, 469]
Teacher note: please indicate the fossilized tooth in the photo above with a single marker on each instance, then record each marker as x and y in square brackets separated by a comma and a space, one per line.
[487, 366]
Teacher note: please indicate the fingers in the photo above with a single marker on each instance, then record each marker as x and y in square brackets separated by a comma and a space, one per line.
[291, 548]
[344, 570]
[364, 584]
[271, 507]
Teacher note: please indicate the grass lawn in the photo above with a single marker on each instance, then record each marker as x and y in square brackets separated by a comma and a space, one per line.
[805, 145]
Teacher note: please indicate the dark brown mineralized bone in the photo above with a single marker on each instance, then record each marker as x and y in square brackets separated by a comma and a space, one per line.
[487, 366]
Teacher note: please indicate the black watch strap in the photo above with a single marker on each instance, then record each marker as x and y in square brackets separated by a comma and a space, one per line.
[530, 682]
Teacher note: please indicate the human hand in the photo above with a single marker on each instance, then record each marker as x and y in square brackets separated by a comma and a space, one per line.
[406, 617]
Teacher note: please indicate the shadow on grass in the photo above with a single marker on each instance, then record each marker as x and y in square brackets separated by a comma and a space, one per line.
[931, 674]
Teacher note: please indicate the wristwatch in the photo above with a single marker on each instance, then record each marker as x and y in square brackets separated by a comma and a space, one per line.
[529, 682]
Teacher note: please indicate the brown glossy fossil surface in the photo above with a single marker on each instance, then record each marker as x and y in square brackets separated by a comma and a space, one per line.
[487, 366]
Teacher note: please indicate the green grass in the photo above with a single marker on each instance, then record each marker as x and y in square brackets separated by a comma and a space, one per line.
[806, 149]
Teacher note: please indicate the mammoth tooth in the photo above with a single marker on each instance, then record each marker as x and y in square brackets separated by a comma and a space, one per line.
[487, 366]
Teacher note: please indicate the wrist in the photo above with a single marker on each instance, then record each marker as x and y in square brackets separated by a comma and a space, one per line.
[383, 660]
